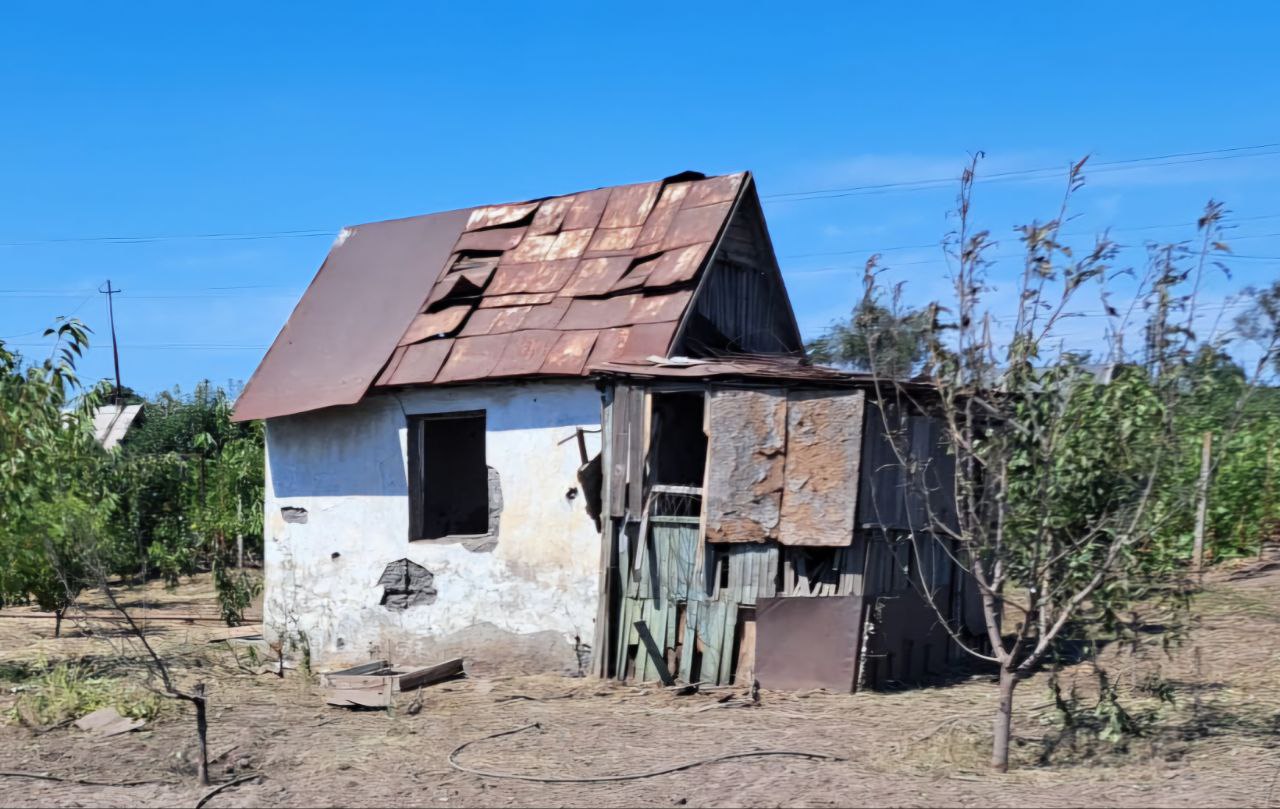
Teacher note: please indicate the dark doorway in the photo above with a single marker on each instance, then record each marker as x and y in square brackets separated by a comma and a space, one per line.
[448, 476]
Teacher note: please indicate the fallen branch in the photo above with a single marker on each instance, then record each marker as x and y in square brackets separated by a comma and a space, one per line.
[208, 795]
[606, 778]
[83, 781]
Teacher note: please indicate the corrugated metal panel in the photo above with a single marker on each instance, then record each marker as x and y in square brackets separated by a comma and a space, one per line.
[352, 316]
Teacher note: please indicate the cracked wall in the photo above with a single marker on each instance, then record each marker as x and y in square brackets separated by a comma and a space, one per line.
[518, 601]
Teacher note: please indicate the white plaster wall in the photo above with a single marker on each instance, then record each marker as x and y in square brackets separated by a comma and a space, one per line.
[528, 598]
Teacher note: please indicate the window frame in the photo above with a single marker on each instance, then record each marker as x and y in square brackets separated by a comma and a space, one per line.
[416, 477]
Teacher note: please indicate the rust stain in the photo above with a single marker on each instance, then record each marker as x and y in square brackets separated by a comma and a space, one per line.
[569, 355]
[550, 215]
[517, 299]
[541, 276]
[629, 205]
[713, 190]
[495, 215]
[526, 352]
[496, 321]
[471, 357]
[596, 276]
[664, 213]
[613, 240]
[824, 447]
[586, 209]
[532, 248]
[677, 266]
[746, 445]
[693, 225]
[570, 244]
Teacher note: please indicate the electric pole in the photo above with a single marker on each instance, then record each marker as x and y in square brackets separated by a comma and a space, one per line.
[111, 316]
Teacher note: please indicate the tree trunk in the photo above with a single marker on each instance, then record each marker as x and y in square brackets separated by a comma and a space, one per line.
[57, 623]
[202, 727]
[1004, 722]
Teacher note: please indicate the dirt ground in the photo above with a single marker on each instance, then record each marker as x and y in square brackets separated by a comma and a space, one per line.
[1217, 744]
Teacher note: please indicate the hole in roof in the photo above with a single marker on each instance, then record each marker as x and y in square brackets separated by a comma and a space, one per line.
[474, 260]
[684, 177]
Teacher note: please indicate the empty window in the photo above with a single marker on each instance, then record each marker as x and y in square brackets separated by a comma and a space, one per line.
[448, 476]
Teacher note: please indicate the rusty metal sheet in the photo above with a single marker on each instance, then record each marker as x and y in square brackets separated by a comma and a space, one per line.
[693, 225]
[747, 432]
[664, 213]
[570, 244]
[613, 240]
[629, 205]
[541, 276]
[517, 299]
[531, 248]
[333, 346]
[596, 276]
[644, 340]
[384, 378]
[434, 324]
[495, 321]
[472, 357]
[586, 209]
[804, 643]
[546, 316]
[493, 239]
[550, 215]
[637, 271]
[659, 308]
[601, 313]
[677, 266]
[421, 362]
[495, 215]
[714, 189]
[526, 352]
[569, 355]
[824, 448]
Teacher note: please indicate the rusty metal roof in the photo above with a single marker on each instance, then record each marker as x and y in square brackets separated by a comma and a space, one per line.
[546, 287]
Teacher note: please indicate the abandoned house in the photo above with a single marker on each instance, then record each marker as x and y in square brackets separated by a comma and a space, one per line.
[579, 434]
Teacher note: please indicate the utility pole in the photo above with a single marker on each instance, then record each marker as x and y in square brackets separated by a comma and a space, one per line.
[115, 351]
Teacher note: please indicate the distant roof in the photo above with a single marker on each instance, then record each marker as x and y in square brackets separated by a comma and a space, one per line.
[549, 287]
[111, 422]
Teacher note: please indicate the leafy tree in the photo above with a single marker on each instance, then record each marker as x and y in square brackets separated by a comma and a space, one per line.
[53, 504]
[1070, 492]
[887, 340]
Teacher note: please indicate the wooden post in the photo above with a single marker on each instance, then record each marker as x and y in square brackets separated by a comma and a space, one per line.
[239, 534]
[1202, 507]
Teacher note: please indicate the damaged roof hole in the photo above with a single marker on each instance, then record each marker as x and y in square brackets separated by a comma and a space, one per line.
[406, 584]
[523, 221]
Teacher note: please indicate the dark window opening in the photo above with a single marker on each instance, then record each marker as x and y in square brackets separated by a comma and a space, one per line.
[448, 476]
[679, 446]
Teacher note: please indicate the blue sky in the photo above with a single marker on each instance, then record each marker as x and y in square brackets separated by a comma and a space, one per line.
[154, 120]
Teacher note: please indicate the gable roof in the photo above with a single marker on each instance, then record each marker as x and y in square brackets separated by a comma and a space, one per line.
[548, 287]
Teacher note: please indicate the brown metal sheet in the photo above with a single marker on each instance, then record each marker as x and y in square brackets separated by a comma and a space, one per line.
[546, 316]
[637, 271]
[714, 189]
[525, 353]
[629, 205]
[693, 225]
[495, 321]
[495, 215]
[664, 213]
[550, 215]
[613, 240]
[541, 276]
[332, 348]
[570, 244]
[493, 239]
[824, 448]
[421, 362]
[677, 266]
[746, 442]
[531, 248]
[602, 313]
[640, 341]
[472, 357]
[596, 276]
[393, 363]
[518, 299]
[569, 355]
[659, 308]
[434, 324]
[586, 209]
[466, 286]
[804, 643]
